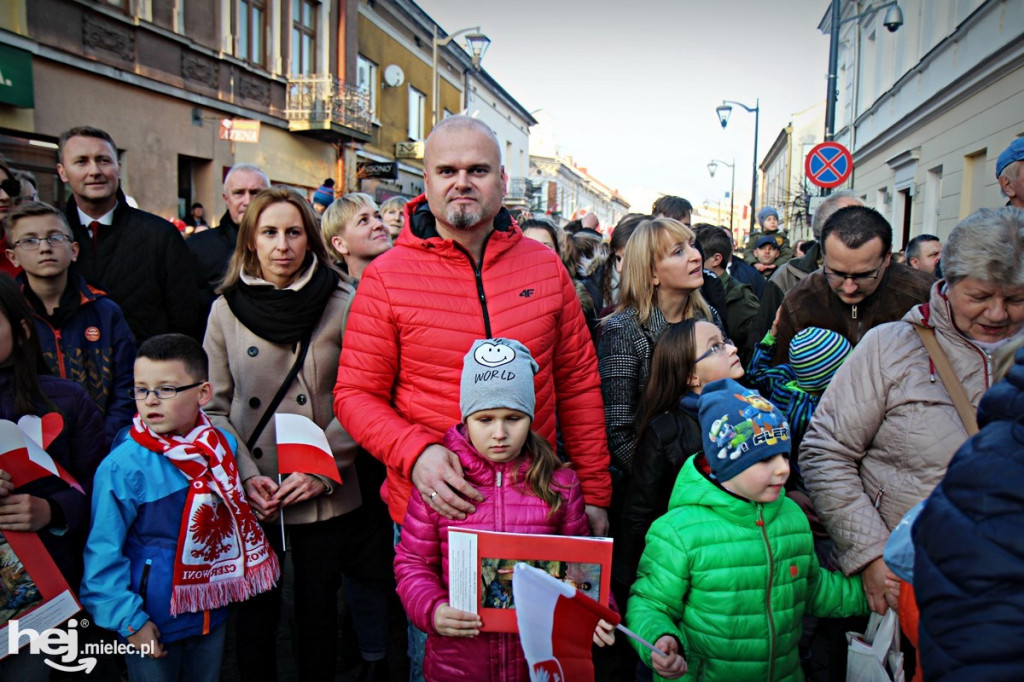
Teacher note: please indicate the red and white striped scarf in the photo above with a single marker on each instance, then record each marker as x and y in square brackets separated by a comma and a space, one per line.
[222, 555]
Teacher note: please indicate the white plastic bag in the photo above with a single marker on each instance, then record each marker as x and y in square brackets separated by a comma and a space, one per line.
[875, 655]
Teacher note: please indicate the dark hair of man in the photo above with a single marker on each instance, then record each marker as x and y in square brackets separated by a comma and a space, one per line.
[170, 347]
[855, 226]
[31, 209]
[196, 205]
[26, 355]
[624, 230]
[914, 245]
[669, 206]
[82, 131]
[714, 239]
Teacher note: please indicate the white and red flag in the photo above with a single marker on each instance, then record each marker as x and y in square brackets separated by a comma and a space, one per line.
[556, 625]
[302, 447]
[23, 449]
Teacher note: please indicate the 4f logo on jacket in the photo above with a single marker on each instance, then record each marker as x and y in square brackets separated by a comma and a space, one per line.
[526, 293]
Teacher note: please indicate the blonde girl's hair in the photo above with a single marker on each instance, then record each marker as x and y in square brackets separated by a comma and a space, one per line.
[649, 243]
[341, 210]
[537, 480]
[245, 258]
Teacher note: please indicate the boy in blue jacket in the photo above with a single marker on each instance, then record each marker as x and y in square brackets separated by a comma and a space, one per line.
[173, 540]
[83, 334]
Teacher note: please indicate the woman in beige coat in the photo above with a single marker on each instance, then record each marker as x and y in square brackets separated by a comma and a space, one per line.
[887, 427]
[283, 305]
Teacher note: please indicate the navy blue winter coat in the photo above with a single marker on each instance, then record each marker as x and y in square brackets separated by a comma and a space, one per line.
[969, 549]
[79, 448]
[91, 344]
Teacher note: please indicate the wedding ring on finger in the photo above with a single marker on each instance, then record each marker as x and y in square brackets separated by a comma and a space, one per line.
[433, 494]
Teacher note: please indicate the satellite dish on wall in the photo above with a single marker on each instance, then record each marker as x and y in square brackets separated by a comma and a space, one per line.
[393, 76]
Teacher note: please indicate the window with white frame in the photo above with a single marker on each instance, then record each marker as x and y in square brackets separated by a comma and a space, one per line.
[417, 113]
[304, 37]
[366, 81]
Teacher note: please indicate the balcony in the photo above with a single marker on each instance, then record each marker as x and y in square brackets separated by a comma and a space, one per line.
[324, 106]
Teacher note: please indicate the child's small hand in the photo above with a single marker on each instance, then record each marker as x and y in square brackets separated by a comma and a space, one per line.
[455, 623]
[148, 639]
[604, 633]
[24, 513]
[671, 666]
[6, 487]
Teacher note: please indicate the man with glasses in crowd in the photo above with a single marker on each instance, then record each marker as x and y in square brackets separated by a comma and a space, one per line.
[857, 288]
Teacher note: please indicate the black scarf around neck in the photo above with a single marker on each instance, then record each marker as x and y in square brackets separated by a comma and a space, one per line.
[282, 315]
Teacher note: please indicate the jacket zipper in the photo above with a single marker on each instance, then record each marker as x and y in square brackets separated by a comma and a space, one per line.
[478, 276]
[768, 594]
[144, 581]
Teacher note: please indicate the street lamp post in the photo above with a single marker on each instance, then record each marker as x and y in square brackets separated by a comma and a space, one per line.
[892, 22]
[712, 167]
[724, 111]
[477, 44]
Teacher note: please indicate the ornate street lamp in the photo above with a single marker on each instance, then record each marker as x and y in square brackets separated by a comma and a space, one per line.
[477, 44]
[724, 111]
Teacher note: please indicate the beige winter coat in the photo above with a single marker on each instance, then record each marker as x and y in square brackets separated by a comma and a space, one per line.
[885, 431]
[246, 372]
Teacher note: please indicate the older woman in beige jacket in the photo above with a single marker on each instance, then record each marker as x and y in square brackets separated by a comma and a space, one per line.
[283, 304]
[887, 427]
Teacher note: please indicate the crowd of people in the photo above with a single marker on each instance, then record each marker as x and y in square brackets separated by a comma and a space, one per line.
[760, 430]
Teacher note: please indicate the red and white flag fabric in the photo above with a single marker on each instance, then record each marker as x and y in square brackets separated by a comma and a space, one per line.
[556, 626]
[302, 447]
[23, 449]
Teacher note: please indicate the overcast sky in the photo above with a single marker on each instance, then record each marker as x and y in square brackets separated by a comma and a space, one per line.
[633, 86]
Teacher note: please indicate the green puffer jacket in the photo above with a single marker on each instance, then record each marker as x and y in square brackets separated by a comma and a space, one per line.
[732, 580]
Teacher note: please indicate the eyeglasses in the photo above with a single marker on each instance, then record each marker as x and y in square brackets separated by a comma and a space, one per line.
[840, 277]
[716, 349]
[161, 392]
[11, 187]
[32, 243]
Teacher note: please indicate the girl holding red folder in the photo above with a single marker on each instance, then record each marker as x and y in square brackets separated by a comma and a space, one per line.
[526, 489]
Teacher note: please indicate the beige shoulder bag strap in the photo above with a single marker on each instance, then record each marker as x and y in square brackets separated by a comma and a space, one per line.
[953, 386]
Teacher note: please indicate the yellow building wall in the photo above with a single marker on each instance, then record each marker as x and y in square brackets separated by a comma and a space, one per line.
[393, 103]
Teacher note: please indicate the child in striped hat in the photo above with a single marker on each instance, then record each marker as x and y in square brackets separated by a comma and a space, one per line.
[815, 355]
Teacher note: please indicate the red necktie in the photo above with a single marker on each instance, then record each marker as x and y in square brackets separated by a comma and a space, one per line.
[94, 229]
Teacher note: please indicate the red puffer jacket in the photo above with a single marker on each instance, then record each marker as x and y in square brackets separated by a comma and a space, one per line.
[421, 559]
[419, 308]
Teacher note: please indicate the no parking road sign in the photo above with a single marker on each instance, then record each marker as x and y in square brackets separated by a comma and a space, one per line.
[828, 165]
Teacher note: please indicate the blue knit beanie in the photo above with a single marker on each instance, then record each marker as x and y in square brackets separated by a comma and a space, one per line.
[815, 354]
[763, 214]
[324, 194]
[739, 428]
[498, 373]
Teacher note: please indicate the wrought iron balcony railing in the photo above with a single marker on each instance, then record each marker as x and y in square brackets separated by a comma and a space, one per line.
[322, 100]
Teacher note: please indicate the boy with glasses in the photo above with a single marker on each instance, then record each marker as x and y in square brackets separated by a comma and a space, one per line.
[83, 333]
[173, 539]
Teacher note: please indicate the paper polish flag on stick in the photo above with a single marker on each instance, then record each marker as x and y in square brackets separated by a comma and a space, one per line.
[556, 625]
[302, 447]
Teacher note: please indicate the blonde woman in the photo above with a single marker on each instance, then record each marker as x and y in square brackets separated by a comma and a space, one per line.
[662, 273]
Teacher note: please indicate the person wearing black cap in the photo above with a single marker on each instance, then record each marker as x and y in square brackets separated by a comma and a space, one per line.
[766, 255]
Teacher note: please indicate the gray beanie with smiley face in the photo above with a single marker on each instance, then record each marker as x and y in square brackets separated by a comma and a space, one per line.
[498, 373]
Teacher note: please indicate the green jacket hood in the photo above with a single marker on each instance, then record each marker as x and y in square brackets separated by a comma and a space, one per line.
[694, 488]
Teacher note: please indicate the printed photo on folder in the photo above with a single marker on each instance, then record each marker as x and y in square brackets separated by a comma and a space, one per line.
[481, 564]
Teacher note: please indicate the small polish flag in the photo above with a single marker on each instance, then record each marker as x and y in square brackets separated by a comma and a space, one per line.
[302, 447]
[22, 449]
[556, 625]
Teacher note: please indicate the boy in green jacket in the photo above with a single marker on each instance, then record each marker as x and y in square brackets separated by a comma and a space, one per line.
[729, 572]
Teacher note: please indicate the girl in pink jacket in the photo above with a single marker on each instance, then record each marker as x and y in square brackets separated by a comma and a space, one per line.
[526, 489]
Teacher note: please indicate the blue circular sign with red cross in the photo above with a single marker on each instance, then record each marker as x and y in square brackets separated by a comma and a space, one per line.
[828, 165]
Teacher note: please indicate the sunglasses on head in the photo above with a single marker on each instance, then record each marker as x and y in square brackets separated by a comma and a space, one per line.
[11, 187]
